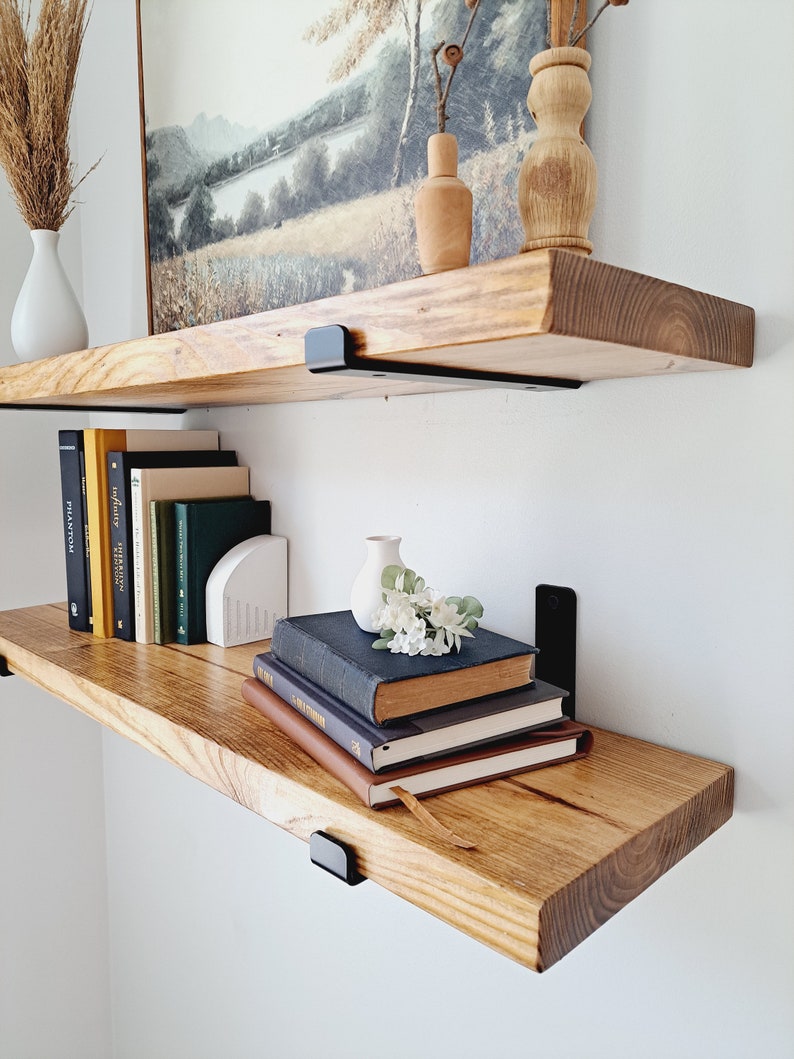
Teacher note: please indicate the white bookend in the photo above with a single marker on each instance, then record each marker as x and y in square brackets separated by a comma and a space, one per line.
[247, 591]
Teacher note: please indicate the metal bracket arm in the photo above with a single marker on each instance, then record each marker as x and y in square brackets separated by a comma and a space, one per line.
[331, 349]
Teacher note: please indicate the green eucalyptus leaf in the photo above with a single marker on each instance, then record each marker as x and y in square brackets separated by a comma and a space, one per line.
[389, 577]
[409, 580]
[473, 606]
[386, 637]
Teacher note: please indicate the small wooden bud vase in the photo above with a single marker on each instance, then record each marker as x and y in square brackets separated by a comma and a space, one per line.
[557, 183]
[443, 209]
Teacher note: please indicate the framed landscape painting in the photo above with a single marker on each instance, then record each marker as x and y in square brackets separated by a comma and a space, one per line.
[284, 143]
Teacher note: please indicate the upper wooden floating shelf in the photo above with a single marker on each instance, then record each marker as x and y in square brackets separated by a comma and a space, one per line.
[548, 313]
[558, 851]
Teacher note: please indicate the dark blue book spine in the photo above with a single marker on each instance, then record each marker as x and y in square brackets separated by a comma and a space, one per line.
[317, 661]
[347, 731]
[75, 528]
[120, 533]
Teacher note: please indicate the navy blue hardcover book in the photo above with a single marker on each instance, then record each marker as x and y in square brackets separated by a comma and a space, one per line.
[333, 652]
[428, 735]
[119, 466]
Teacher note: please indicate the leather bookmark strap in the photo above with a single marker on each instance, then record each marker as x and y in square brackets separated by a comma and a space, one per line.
[426, 817]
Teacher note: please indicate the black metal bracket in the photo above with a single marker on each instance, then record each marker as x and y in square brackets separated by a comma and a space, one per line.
[331, 349]
[332, 855]
[4, 670]
[10, 406]
[555, 638]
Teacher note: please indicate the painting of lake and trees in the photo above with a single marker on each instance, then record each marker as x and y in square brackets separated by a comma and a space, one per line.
[285, 143]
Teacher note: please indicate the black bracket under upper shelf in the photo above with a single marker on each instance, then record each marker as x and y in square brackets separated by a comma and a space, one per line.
[148, 410]
[4, 670]
[331, 349]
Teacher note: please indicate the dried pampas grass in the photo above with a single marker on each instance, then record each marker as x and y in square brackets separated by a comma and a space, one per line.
[37, 79]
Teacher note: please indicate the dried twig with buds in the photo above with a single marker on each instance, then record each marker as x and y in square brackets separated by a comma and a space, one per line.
[451, 56]
[573, 36]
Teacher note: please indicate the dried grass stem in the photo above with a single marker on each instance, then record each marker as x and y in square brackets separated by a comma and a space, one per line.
[38, 72]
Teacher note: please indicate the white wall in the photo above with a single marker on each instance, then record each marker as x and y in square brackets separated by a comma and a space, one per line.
[54, 966]
[667, 504]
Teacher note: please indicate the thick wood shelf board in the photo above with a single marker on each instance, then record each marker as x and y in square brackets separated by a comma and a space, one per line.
[559, 850]
[548, 313]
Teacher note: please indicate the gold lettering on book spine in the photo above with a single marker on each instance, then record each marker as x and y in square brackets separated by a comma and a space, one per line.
[264, 676]
[299, 704]
[308, 711]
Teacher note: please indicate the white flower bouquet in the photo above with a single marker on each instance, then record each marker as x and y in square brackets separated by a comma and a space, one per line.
[417, 620]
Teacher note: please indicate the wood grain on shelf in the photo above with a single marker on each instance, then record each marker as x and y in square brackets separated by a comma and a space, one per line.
[558, 850]
[545, 313]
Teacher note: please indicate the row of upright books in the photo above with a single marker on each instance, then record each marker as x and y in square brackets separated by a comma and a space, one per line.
[378, 720]
[146, 516]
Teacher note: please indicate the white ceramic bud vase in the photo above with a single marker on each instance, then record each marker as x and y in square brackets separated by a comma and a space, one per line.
[47, 317]
[366, 595]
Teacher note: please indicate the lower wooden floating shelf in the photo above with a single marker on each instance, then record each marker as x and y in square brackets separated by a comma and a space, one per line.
[558, 851]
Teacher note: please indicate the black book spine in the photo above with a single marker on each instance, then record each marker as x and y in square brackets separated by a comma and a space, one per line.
[75, 528]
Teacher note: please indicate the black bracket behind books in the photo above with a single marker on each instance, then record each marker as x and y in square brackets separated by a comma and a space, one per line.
[4, 670]
[555, 639]
[332, 855]
[331, 349]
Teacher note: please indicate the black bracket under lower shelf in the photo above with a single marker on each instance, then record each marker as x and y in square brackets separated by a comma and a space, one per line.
[334, 856]
[331, 350]
[4, 670]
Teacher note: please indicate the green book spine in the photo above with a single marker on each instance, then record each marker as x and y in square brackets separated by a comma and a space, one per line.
[204, 530]
[163, 573]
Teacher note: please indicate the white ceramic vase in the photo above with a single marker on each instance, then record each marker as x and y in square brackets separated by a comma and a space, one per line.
[366, 595]
[47, 317]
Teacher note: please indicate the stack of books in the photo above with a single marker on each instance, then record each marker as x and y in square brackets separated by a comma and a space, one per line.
[146, 516]
[377, 720]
